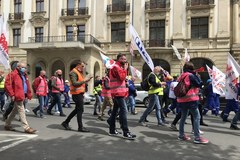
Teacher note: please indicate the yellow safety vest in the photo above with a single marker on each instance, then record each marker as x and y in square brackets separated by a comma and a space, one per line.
[154, 90]
[2, 84]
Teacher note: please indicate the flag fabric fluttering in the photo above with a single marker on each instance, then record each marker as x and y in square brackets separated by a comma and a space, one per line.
[4, 59]
[232, 74]
[131, 48]
[176, 52]
[186, 56]
[218, 81]
[139, 45]
[109, 63]
[135, 72]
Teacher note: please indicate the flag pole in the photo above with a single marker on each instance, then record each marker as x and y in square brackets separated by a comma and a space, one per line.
[131, 62]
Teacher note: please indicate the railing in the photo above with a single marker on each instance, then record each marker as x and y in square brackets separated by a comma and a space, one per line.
[87, 39]
[158, 43]
[75, 11]
[118, 7]
[155, 5]
[199, 2]
[16, 16]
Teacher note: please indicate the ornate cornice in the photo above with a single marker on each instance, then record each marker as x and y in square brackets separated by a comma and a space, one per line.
[38, 19]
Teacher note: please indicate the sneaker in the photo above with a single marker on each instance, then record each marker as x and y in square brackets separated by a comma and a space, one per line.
[95, 113]
[56, 112]
[42, 116]
[234, 127]
[184, 138]
[66, 126]
[30, 131]
[161, 124]
[49, 112]
[62, 115]
[35, 112]
[203, 124]
[115, 133]
[143, 124]
[129, 135]
[201, 132]
[201, 140]
[173, 127]
[27, 110]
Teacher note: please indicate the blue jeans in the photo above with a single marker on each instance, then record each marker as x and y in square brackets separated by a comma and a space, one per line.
[119, 104]
[153, 102]
[41, 104]
[191, 107]
[56, 100]
[132, 103]
[2, 99]
[97, 104]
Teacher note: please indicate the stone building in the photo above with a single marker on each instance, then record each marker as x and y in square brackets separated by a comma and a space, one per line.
[52, 34]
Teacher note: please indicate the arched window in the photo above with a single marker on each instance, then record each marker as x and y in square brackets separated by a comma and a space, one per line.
[157, 62]
[202, 62]
[58, 65]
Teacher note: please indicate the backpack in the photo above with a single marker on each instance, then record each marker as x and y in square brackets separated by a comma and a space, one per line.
[49, 83]
[145, 84]
[181, 89]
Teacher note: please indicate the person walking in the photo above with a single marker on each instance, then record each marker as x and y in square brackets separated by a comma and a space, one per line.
[97, 93]
[66, 95]
[153, 94]
[189, 103]
[132, 94]
[77, 89]
[2, 90]
[57, 90]
[119, 91]
[18, 88]
[40, 88]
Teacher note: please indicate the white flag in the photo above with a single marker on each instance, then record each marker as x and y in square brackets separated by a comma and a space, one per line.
[176, 52]
[210, 71]
[139, 45]
[218, 81]
[186, 56]
[135, 72]
[232, 75]
[109, 63]
[3, 44]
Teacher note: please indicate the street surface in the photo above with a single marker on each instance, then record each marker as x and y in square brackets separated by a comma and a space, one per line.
[152, 143]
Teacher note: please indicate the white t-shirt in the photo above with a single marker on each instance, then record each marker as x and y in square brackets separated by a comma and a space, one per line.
[171, 93]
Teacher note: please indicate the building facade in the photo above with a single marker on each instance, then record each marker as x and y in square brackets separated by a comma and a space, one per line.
[52, 34]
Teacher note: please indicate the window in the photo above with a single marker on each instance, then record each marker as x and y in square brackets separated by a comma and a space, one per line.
[70, 4]
[17, 6]
[81, 3]
[118, 32]
[199, 2]
[80, 33]
[157, 4]
[199, 27]
[118, 5]
[16, 37]
[157, 33]
[39, 5]
[69, 33]
[39, 34]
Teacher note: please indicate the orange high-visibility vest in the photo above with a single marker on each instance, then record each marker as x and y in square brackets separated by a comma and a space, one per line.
[80, 89]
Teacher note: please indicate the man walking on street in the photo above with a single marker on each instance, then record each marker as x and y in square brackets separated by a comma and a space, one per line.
[40, 88]
[77, 89]
[119, 92]
[18, 88]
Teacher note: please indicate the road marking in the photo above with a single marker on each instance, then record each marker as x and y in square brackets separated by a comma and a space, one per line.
[17, 141]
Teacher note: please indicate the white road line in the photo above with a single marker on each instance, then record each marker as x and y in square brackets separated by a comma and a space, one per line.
[21, 138]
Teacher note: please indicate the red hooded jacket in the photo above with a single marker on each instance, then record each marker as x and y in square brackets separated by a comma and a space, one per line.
[14, 86]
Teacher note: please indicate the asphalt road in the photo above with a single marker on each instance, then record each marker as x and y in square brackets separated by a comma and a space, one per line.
[152, 143]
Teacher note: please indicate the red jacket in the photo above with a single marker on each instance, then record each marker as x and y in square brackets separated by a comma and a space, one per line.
[14, 86]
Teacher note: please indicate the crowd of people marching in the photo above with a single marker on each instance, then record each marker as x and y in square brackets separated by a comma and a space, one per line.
[115, 90]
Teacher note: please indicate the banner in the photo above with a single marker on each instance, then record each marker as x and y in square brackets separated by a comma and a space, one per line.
[109, 63]
[135, 72]
[139, 45]
[218, 81]
[186, 56]
[176, 52]
[232, 74]
[4, 59]
[210, 71]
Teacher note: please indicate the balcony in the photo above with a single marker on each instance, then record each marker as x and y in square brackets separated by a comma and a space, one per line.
[157, 5]
[157, 43]
[79, 14]
[111, 8]
[16, 18]
[200, 4]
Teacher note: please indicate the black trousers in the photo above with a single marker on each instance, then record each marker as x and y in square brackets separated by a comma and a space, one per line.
[78, 99]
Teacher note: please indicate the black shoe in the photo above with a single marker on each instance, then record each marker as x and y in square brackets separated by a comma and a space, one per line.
[64, 106]
[95, 114]
[234, 127]
[83, 129]
[146, 120]
[66, 126]
[129, 135]
[49, 112]
[203, 124]
[62, 115]
[114, 133]
[226, 120]
[35, 112]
